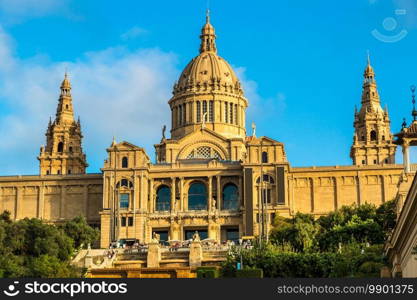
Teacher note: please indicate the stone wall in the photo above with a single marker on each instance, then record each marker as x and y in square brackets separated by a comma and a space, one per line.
[54, 197]
[324, 189]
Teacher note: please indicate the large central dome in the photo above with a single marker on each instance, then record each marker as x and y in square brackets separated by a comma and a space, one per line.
[208, 91]
[208, 71]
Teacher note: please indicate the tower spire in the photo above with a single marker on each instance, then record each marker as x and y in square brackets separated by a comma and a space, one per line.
[208, 36]
[372, 125]
[65, 112]
[63, 153]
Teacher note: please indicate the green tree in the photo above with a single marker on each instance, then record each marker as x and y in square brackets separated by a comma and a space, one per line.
[79, 230]
[32, 248]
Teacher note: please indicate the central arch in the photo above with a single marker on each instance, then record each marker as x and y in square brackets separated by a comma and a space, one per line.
[200, 147]
[197, 196]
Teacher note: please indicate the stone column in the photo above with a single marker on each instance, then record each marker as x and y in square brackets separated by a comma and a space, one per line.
[406, 157]
[62, 203]
[136, 192]
[151, 197]
[240, 192]
[210, 193]
[173, 192]
[196, 254]
[18, 207]
[338, 184]
[313, 183]
[41, 203]
[86, 201]
[154, 255]
[219, 198]
[181, 194]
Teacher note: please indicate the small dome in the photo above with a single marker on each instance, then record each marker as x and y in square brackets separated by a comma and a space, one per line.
[66, 83]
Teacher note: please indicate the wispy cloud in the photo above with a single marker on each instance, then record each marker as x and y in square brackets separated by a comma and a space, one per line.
[133, 33]
[13, 11]
[260, 107]
[116, 92]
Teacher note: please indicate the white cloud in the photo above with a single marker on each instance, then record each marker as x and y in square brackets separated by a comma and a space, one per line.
[133, 33]
[116, 92]
[260, 107]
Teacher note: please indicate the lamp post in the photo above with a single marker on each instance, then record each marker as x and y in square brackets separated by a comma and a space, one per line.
[240, 252]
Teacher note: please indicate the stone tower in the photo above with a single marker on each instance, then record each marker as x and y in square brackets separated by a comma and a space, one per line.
[63, 152]
[373, 140]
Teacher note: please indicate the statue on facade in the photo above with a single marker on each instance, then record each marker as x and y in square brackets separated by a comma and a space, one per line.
[253, 129]
[213, 206]
[196, 237]
[155, 238]
[203, 124]
[164, 128]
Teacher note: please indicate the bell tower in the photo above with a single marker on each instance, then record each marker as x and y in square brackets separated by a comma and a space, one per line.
[373, 140]
[63, 152]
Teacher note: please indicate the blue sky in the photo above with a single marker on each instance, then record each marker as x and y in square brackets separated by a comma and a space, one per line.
[301, 63]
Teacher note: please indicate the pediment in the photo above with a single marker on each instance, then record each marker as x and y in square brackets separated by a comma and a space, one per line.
[264, 139]
[201, 142]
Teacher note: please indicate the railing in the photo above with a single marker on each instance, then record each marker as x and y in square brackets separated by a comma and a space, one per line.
[163, 206]
[230, 205]
[413, 167]
[197, 207]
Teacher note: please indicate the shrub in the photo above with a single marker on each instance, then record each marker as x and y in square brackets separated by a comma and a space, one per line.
[250, 273]
[207, 272]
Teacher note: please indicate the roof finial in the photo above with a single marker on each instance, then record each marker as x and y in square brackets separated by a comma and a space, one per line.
[208, 36]
[208, 12]
[413, 95]
[369, 58]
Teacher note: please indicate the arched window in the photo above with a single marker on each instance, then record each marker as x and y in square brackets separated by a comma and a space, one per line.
[373, 135]
[266, 178]
[198, 112]
[197, 196]
[264, 157]
[203, 152]
[70, 149]
[230, 197]
[231, 113]
[163, 198]
[124, 200]
[226, 112]
[124, 183]
[204, 109]
[383, 137]
[211, 111]
[60, 147]
[124, 162]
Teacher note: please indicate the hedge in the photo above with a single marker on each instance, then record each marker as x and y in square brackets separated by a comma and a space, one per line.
[208, 272]
[250, 273]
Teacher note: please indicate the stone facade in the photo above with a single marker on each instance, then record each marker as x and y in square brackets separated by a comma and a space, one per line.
[53, 198]
[210, 175]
